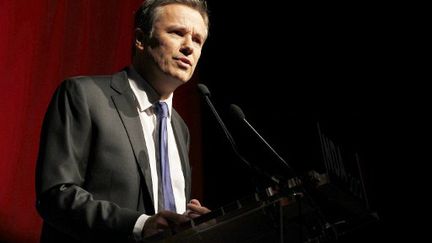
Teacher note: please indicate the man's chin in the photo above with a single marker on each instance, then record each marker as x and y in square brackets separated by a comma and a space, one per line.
[182, 77]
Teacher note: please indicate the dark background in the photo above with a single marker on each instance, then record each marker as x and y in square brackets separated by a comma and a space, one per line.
[291, 67]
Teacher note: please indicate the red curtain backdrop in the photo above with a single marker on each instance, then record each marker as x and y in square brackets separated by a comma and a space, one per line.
[41, 43]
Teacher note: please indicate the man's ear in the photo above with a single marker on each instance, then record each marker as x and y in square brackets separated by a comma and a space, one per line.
[139, 39]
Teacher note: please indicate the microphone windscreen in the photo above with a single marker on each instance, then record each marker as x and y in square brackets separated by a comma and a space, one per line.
[237, 111]
[203, 89]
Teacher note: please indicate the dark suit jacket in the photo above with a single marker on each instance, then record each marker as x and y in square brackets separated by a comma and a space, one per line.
[93, 177]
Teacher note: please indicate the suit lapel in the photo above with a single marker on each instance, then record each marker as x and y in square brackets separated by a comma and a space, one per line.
[183, 151]
[126, 106]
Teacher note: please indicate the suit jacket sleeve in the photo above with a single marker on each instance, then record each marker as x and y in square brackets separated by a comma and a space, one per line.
[62, 162]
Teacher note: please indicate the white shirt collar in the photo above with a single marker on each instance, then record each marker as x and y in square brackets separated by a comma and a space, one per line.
[144, 92]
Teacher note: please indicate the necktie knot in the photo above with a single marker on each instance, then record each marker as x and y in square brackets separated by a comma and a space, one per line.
[161, 109]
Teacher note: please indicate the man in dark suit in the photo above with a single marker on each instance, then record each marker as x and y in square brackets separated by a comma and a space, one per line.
[98, 175]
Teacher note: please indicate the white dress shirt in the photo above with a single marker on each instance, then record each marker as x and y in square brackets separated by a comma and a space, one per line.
[146, 97]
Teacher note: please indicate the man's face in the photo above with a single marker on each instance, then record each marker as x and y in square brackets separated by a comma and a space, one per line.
[175, 46]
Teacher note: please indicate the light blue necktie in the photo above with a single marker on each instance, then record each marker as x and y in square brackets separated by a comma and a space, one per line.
[168, 195]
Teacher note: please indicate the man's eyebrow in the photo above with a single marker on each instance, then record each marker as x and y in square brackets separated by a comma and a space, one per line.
[184, 28]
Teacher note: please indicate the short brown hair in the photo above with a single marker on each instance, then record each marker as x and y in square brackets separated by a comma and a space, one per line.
[146, 14]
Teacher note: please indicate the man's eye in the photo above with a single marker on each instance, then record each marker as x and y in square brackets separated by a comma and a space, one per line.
[177, 32]
[197, 40]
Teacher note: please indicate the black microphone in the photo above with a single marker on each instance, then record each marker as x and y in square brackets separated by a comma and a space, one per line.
[326, 226]
[206, 93]
[240, 115]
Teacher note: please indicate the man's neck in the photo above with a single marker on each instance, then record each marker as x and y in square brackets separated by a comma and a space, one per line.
[162, 83]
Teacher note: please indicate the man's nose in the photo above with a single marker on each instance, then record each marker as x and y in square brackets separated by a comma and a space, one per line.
[186, 47]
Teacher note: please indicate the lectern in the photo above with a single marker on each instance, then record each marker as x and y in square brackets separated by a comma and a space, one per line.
[262, 217]
[289, 216]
